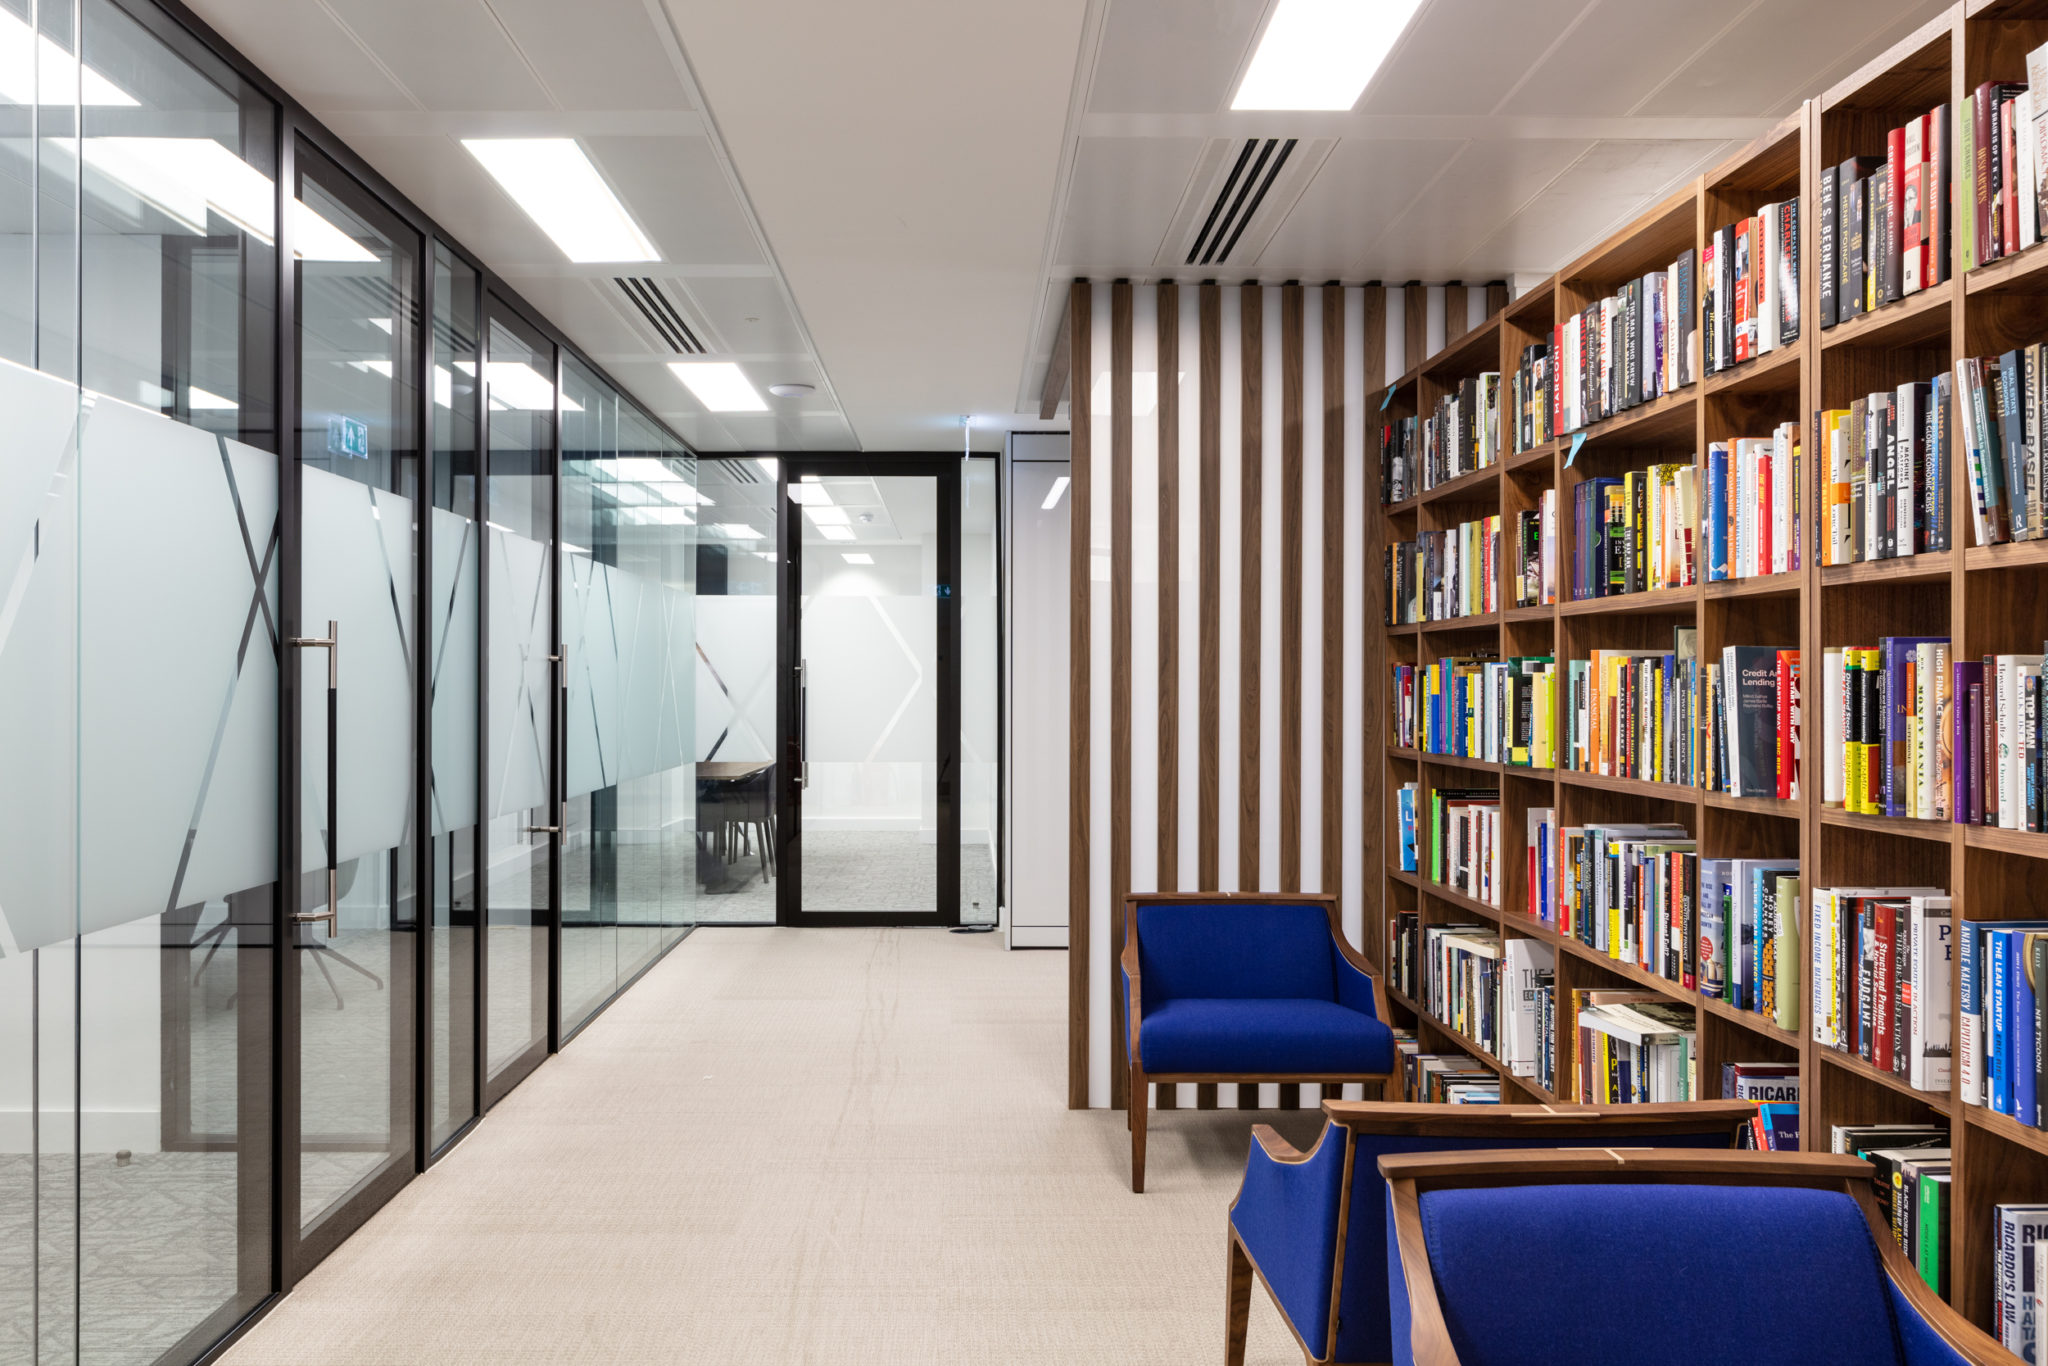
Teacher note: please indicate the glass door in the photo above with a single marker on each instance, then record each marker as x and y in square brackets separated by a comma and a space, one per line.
[522, 690]
[868, 827]
[357, 285]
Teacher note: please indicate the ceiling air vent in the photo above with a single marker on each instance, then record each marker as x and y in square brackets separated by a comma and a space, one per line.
[660, 313]
[1241, 190]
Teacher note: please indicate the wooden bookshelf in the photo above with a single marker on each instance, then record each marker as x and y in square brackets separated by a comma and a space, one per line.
[1988, 599]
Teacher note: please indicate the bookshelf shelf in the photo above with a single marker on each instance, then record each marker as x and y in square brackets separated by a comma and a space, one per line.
[1914, 319]
[1938, 1101]
[1985, 598]
[1461, 761]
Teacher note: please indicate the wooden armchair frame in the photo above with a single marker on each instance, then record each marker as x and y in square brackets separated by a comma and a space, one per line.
[1411, 1175]
[1561, 1124]
[1138, 1100]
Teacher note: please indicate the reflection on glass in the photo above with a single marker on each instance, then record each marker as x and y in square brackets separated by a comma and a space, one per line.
[521, 688]
[630, 505]
[734, 628]
[452, 657]
[869, 648]
[359, 486]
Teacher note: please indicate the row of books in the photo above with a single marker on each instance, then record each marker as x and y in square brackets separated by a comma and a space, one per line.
[1444, 1078]
[1634, 1047]
[1749, 286]
[1498, 711]
[1529, 390]
[1910, 1178]
[2003, 412]
[2001, 968]
[1884, 979]
[1889, 456]
[1465, 841]
[2003, 132]
[1534, 553]
[1405, 798]
[1445, 574]
[1461, 436]
[1885, 221]
[1636, 713]
[1636, 345]
[1499, 993]
[1752, 512]
[1914, 733]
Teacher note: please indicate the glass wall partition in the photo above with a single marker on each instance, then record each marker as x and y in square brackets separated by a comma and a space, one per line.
[455, 597]
[980, 630]
[630, 507]
[522, 684]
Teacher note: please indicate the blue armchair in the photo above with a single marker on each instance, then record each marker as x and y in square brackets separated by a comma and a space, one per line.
[1311, 1227]
[1606, 1257]
[1245, 988]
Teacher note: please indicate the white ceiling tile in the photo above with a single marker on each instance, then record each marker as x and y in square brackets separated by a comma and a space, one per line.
[1618, 55]
[748, 314]
[1605, 188]
[1439, 228]
[450, 56]
[277, 38]
[1172, 57]
[1362, 187]
[1464, 52]
[680, 197]
[1766, 63]
[595, 54]
[1124, 194]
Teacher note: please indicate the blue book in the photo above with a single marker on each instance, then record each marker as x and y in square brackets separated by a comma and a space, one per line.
[1969, 1012]
[1717, 512]
[1995, 1070]
[2019, 1031]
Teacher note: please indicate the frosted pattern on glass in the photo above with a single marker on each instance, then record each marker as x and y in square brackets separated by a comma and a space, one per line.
[172, 624]
[358, 548]
[519, 651]
[873, 664]
[454, 676]
[735, 666]
[629, 652]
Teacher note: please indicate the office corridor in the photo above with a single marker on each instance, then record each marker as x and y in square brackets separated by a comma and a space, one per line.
[799, 1145]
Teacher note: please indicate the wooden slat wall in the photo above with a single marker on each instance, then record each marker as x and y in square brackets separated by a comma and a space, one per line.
[1456, 313]
[1318, 505]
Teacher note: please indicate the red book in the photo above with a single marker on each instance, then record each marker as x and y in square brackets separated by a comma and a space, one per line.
[1894, 234]
[1787, 664]
[1744, 274]
[1762, 512]
[1883, 981]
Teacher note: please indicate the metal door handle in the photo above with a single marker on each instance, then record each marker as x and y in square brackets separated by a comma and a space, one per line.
[331, 643]
[803, 723]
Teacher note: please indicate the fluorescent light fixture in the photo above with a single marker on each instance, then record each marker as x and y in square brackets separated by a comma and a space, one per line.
[52, 76]
[200, 400]
[639, 469]
[809, 494]
[1321, 54]
[857, 557]
[826, 515]
[720, 385]
[836, 533]
[554, 180]
[1059, 489]
[517, 386]
[736, 531]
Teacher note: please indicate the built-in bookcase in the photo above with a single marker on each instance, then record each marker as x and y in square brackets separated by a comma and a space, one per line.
[1987, 599]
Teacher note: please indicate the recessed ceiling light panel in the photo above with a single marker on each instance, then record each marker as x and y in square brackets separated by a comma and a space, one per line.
[1321, 54]
[720, 386]
[554, 180]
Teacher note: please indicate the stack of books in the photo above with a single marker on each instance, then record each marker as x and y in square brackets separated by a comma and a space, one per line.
[1748, 941]
[1636, 532]
[1461, 980]
[1996, 743]
[1616, 885]
[1636, 345]
[1443, 1078]
[1889, 727]
[1885, 221]
[1998, 209]
[1910, 1177]
[1445, 574]
[1462, 435]
[1634, 1047]
[1749, 286]
[1530, 390]
[1888, 456]
[1751, 513]
[1884, 979]
[1465, 841]
[1753, 718]
[2000, 412]
[1636, 713]
[1528, 1011]
[1534, 554]
[1998, 1015]
[1499, 711]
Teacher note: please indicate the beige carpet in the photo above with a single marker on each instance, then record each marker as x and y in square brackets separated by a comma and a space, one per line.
[800, 1146]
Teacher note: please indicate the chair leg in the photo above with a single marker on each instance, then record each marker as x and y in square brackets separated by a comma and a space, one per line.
[1136, 1107]
[1237, 1302]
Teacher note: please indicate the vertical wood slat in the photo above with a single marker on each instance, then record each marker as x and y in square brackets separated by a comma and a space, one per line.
[1120, 518]
[1333, 590]
[1371, 614]
[1251, 502]
[1455, 315]
[1414, 324]
[1169, 591]
[1291, 348]
[1208, 785]
[1496, 297]
[1079, 700]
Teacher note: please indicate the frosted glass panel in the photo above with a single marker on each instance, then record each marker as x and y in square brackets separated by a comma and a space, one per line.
[454, 671]
[520, 623]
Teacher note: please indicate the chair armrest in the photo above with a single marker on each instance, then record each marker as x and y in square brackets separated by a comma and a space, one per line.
[1286, 1215]
[1357, 987]
[1133, 1007]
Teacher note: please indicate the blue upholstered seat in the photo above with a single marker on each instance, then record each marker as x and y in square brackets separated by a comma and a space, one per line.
[1253, 1036]
[1795, 1277]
